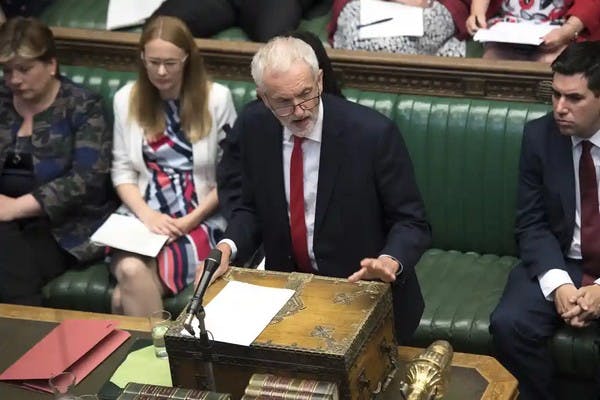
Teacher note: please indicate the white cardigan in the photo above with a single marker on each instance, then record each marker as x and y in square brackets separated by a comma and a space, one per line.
[128, 162]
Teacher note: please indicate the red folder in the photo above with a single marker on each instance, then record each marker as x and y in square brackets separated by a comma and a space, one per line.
[77, 346]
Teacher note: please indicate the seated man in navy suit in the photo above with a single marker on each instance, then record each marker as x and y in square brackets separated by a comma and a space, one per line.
[558, 226]
[327, 185]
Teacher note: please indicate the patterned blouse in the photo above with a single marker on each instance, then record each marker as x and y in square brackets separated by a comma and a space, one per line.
[71, 152]
[531, 10]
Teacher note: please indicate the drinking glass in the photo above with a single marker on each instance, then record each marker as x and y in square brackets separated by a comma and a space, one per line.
[62, 385]
[159, 323]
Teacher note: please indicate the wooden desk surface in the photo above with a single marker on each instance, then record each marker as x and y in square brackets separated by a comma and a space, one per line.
[501, 384]
[57, 315]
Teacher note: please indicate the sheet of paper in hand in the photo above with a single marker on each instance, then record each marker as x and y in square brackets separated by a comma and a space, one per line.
[130, 234]
[515, 32]
[386, 19]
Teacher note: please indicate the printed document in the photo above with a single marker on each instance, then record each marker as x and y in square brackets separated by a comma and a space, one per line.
[125, 13]
[241, 311]
[399, 19]
[129, 233]
[515, 32]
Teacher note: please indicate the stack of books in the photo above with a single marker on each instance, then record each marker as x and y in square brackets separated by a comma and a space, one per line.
[140, 391]
[266, 386]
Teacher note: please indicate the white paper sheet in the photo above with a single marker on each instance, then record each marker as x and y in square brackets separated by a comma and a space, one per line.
[514, 32]
[241, 311]
[130, 234]
[124, 13]
[406, 20]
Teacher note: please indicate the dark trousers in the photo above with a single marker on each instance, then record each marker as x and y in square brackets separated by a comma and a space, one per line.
[259, 19]
[29, 258]
[521, 325]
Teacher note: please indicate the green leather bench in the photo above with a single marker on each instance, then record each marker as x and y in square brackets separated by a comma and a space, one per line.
[465, 153]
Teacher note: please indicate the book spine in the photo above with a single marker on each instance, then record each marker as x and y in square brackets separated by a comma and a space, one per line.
[274, 395]
[266, 383]
[139, 391]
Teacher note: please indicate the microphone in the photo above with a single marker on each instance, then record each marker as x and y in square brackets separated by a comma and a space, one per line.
[211, 264]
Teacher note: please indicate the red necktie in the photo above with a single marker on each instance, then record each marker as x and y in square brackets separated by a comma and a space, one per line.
[590, 216]
[297, 220]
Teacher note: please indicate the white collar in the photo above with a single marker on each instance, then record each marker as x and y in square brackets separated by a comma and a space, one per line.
[595, 139]
[316, 132]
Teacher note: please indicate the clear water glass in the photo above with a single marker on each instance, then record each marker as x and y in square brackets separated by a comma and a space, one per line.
[159, 323]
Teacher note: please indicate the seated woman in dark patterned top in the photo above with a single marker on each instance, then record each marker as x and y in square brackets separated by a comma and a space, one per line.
[55, 151]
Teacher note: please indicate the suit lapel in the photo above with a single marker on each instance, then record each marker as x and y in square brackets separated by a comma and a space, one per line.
[329, 161]
[563, 154]
[272, 147]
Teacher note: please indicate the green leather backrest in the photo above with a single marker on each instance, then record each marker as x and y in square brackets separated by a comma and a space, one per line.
[465, 153]
[85, 14]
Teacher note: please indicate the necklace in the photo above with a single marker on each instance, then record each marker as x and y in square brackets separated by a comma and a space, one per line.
[21, 147]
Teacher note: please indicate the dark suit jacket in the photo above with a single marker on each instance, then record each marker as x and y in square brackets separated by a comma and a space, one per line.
[546, 197]
[367, 200]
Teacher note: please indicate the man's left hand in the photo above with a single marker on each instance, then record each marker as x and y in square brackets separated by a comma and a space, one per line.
[589, 301]
[383, 268]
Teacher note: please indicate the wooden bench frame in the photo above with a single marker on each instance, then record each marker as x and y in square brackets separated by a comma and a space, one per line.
[382, 72]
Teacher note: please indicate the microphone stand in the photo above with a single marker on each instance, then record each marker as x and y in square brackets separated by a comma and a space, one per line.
[205, 378]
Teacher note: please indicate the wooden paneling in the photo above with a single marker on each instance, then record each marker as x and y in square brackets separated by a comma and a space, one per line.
[383, 72]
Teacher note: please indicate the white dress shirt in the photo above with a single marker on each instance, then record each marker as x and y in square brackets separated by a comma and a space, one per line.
[552, 279]
[311, 154]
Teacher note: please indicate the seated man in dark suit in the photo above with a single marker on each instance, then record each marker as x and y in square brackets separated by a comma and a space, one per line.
[558, 225]
[259, 19]
[327, 186]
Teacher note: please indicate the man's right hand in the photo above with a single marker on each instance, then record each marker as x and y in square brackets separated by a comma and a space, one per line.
[565, 301]
[223, 267]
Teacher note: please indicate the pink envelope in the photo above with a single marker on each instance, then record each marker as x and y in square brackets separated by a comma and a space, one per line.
[77, 346]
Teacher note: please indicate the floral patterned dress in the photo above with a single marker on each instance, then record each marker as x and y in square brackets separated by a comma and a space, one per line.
[531, 10]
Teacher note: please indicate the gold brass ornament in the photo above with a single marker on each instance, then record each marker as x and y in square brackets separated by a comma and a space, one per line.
[427, 375]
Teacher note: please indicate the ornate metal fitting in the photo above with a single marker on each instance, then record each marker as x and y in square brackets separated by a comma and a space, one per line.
[427, 375]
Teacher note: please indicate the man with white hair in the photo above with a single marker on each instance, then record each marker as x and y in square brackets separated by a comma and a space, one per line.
[328, 186]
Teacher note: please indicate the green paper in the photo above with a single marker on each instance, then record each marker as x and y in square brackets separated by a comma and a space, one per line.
[142, 366]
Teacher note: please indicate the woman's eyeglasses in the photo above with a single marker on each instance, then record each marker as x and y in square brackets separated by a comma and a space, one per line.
[170, 64]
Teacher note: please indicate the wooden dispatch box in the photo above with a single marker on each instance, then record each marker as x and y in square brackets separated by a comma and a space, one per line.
[329, 330]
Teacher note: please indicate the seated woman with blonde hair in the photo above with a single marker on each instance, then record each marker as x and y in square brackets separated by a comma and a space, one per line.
[54, 165]
[167, 128]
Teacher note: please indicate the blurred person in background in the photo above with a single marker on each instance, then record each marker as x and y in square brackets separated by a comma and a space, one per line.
[259, 19]
[443, 26]
[576, 20]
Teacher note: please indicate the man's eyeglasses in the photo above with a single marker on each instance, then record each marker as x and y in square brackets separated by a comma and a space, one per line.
[287, 110]
[170, 65]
